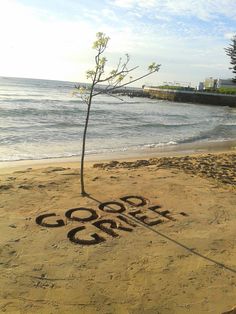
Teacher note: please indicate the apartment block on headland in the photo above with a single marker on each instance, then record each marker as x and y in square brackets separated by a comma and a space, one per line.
[225, 83]
[211, 83]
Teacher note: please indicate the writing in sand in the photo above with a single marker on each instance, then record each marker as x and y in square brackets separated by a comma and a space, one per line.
[129, 210]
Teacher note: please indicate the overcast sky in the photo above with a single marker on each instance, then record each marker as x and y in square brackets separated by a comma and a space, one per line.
[52, 39]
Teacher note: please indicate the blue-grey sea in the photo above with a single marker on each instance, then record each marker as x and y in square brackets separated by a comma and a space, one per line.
[42, 119]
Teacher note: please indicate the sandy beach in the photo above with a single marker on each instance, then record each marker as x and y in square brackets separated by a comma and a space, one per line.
[155, 235]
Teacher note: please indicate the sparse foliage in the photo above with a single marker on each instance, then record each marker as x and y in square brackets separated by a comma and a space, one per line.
[117, 78]
[231, 52]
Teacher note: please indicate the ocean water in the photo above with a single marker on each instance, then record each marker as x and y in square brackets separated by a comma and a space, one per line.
[43, 119]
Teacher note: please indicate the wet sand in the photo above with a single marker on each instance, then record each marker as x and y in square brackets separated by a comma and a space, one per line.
[155, 235]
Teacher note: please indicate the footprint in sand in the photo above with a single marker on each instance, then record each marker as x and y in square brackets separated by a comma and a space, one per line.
[5, 187]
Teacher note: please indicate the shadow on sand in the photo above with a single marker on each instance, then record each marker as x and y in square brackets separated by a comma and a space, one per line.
[193, 251]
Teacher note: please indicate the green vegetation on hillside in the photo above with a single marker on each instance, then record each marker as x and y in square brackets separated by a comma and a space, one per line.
[222, 90]
[227, 90]
[176, 87]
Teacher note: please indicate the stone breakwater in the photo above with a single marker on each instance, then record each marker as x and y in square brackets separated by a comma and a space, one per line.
[221, 167]
[194, 97]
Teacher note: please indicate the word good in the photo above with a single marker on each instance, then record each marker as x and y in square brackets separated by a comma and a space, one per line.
[130, 210]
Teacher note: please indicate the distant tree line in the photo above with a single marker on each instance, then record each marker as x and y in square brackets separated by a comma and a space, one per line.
[231, 52]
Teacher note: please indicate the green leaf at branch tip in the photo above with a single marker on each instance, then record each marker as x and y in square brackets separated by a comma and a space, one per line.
[102, 61]
[121, 77]
[90, 74]
[82, 90]
[101, 41]
[113, 72]
[154, 67]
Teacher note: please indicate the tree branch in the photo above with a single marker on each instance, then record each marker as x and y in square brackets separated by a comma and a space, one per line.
[125, 84]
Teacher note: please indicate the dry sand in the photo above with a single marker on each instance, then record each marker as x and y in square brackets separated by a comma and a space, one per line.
[177, 257]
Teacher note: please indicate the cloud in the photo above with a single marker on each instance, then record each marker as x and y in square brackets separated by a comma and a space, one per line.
[109, 14]
[229, 35]
[45, 43]
[124, 3]
[202, 9]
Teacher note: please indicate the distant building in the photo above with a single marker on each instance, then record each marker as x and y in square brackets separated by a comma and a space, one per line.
[200, 86]
[210, 83]
[225, 83]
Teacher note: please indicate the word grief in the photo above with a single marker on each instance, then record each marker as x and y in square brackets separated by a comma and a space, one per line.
[123, 215]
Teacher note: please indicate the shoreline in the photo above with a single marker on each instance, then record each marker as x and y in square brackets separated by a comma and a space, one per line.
[129, 154]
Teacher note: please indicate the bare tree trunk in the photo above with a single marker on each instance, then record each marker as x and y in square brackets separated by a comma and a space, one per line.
[83, 192]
